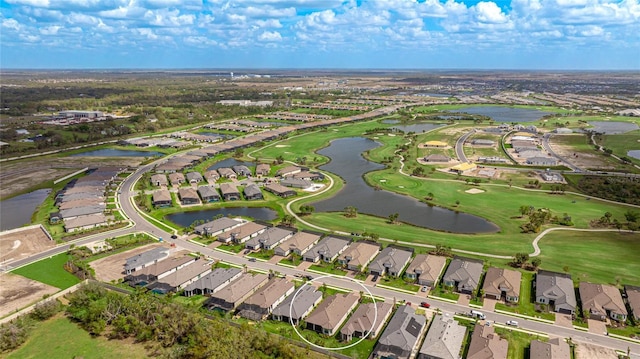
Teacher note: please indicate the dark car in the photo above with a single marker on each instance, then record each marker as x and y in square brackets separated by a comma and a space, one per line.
[375, 278]
[252, 259]
[173, 236]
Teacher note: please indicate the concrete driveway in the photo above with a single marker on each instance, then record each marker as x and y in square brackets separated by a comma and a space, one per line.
[597, 327]
[564, 320]
[489, 305]
[464, 299]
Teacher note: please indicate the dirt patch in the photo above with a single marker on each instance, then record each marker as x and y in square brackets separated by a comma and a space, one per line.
[22, 244]
[17, 292]
[576, 157]
[590, 351]
[111, 267]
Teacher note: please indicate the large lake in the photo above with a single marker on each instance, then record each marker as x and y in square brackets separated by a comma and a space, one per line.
[110, 152]
[17, 211]
[185, 219]
[348, 163]
[505, 114]
[634, 154]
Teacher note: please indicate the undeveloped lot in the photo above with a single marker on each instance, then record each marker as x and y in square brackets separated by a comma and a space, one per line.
[111, 267]
[590, 351]
[17, 292]
[21, 244]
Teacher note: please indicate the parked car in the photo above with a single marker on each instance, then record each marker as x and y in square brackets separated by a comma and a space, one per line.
[424, 288]
[408, 303]
[512, 323]
[425, 305]
[252, 259]
[375, 278]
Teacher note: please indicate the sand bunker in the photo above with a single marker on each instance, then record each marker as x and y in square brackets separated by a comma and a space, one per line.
[280, 146]
[474, 191]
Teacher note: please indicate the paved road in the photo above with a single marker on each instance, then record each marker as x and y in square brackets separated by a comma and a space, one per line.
[460, 146]
[547, 147]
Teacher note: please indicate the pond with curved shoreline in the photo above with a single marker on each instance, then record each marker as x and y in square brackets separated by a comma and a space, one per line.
[17, 211]
[348, 163]
[185, 219]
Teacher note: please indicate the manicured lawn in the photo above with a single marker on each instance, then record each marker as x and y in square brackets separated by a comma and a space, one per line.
[205, 240]
[235, 248]
[518, 342]
[50, 271]
[262, 254]
[627, 331]
[399, 283]
[193, 301]
[295, 262]
[60, 338]
[601, 257]
[328, 268]
[438, 291]
[622, 143]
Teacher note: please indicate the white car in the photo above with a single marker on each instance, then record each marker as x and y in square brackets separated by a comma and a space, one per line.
[512, 323]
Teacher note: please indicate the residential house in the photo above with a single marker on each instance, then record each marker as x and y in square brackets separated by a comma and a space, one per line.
[306, 299]
[145, 259]
[556, 290]
[463, 168]
[188, 196]
[268, 239]
[212, 282]
[159, 179]
[81, 223]
[208, 194]
[485, 343]
[438, 158]
[501, 283]
[328, 249]
[444, 339]
[295, 182]
[261, 303]
[262, 170]
[229, 192]
[361, 323]
[555, 348]
[331, 313]
[230, 297]
[159, 270]
[252, 192]
[633, 298]
[162, 198]
[279, 190]
[212, 176]
[308, 176]
[71, 213]
[181, 277]
[463, 274]
[425, 269]
[391, 261]
[241, 233]
[217, 226]
[242, 170]
[542, 161]
[226, 172]
[402, 334]
[299, 244]
[601, 301]
[176, 178]
[288, 171]
[194, 177]
[358, 255]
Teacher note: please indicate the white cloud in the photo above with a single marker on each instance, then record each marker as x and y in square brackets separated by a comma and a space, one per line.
[489, 12]
[592, 30]
[50, 30]
[270, 36]
[273, 23]
[11, 24]
[36, 3]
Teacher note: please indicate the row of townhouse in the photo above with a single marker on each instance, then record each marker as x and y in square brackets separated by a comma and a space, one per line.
[207, 194]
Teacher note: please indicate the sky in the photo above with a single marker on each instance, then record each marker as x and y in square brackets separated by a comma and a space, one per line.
[352, 34]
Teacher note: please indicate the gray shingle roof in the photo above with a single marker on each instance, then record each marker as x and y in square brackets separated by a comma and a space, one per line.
[214, 279]
[269, 238]
[306, 299]
[444, 339]
[149, 256]
[556, 286]
[465, 271]
[392, 258]
[403, 331]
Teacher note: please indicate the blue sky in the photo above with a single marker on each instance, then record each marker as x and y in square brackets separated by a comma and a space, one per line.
[394, 34]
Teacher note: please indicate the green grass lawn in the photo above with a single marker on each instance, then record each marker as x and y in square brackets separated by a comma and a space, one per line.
[235, 248]
[59, 338]
[441, 292]
[518, 342]
[622, 143]
[262, 254]
[601, 257]
[50, 271]
[328, 268]
[526, 304]
[399, 283]
[295, 262]
[627, 331]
